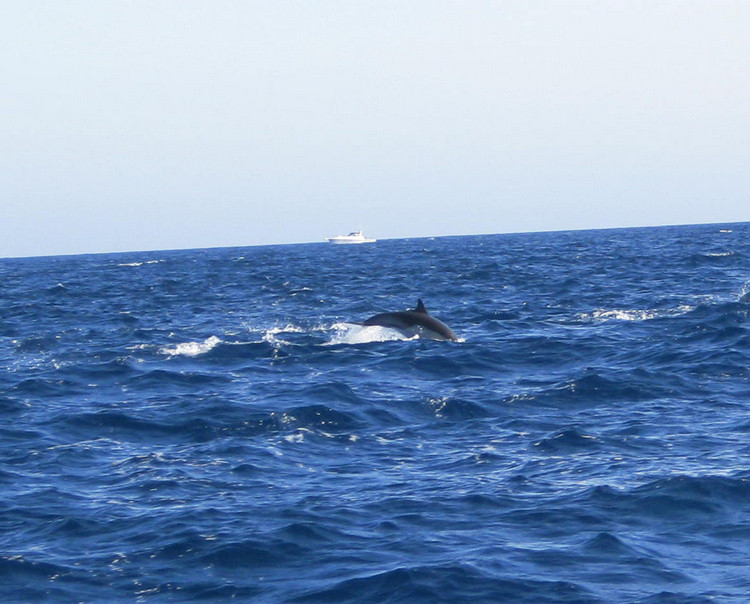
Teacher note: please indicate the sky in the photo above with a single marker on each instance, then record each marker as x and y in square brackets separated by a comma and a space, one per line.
[169, 124]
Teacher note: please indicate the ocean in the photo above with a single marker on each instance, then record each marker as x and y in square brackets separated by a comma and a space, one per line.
[210, 426]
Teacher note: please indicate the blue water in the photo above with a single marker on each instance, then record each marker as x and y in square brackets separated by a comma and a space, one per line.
[205, 426]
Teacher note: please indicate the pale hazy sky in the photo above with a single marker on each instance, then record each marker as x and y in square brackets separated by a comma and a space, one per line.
[138, 125]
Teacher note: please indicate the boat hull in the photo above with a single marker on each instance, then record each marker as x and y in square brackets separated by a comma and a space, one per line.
[354, 237]
[338, 241]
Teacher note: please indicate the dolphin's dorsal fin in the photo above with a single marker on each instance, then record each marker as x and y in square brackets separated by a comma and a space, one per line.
[420, 307]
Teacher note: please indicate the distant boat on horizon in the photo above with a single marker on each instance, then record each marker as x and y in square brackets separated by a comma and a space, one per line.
[353, 237]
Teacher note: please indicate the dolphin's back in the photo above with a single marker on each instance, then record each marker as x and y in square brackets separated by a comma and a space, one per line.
[412, 320]
[390, 319]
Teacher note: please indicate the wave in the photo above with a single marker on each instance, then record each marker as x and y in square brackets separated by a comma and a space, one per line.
[350, 333]
[702, 493]
[568, 441]
[603, 315]
[277, 336]
[447, 583]
[595, 386]
[32, 580]
[702, 259]
[37, 344]
[141, 263]
[320, 417]
[161, 426]
[291, 335]
[47, 387]
[192, 349]
[680, 500]
[456, 408]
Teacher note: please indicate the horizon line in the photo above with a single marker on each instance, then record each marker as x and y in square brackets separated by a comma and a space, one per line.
[323, 241]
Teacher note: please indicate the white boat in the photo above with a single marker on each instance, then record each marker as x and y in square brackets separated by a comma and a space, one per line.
[353, 237]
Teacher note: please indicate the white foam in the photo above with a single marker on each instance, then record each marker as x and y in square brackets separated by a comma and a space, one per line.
[349, 333]
[140, 263]
[603, 315]
[622, 315]
[274, 335]
[286, 329]
[297, 437]
[192, 349]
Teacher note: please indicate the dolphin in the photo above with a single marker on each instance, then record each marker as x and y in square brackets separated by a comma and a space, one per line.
[415, 322]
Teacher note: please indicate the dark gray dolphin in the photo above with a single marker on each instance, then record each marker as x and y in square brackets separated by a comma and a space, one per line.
[412, 323]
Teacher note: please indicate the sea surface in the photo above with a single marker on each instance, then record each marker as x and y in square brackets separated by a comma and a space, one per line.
[210, 425]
